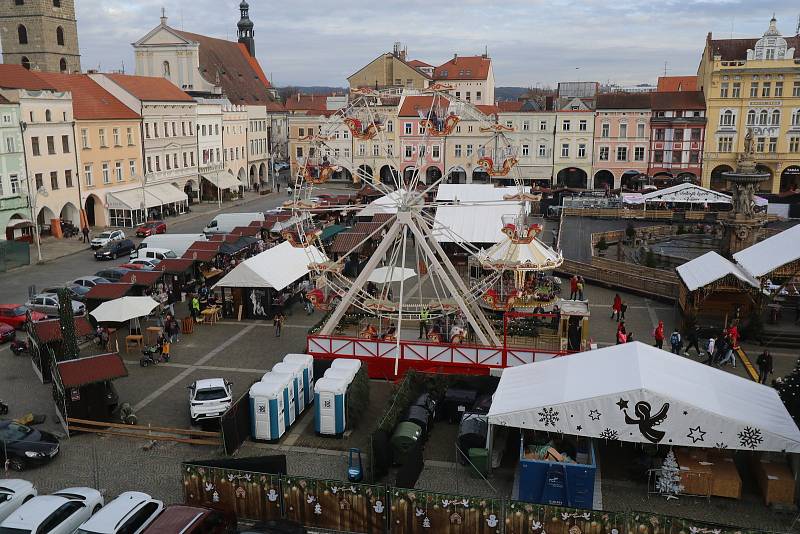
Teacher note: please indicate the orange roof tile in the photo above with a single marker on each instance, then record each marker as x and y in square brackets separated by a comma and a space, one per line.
[669, 84]
[510, 106]
[91, 369]
[300, 102]
[412, 105]
[18, 77]
[487, 109]
[464, 68]
[416, 63]
[150, 89]
[89, 100]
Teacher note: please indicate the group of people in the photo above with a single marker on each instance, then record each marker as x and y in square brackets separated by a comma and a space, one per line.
[576, 286]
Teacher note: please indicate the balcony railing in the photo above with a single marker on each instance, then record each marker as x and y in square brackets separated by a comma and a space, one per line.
[172, 174]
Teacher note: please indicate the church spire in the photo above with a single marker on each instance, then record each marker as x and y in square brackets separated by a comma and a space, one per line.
[245, 27]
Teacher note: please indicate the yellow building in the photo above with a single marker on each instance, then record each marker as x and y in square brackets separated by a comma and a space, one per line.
[392, 70]
[752, 85]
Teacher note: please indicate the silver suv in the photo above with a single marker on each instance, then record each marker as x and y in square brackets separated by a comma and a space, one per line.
[47, 303]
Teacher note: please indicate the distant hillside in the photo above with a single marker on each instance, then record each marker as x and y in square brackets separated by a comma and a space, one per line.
[313, 89]
[509, 93]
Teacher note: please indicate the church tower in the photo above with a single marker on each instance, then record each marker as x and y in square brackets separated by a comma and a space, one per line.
[245, 26]
[40, 35]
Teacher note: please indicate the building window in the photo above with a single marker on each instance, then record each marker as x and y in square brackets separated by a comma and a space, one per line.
[751, 117]
[776, 118]
[22, 34]
[603, 153]
[542, 126]
[149, 165]
[54, 180]
[376, 150]
[84, 138]
[65, 144]
[778, 89]
[796, 89]
[191, 157]
[362, 149]
[623, 130]
[407, 128]
[695, 134]
[754, 90]
[60, 36]
[526, 126]
[107, 176]
[118, 170]
[158, 164]
[796, 118]
[765, 90]
[525, 150]
[565, 125]
[301, 132]
[115, 133]
[132, 167]
[408, 150]
[165, 71]
[762, 117]
[773, 145]
[56, 3]
[421, 128]
[723, 90]
[10, 146]
[658, 156]
[35, 146]
[677, 156]
[694, 157]
[457, 151]
[605, 129]
[51, 145]
[422, 151]
[725, 144]
[469, 151]
[390, 126]
[477, 95]
[565, 150]
[794, 144]
[638, 153]
[102, 135]
[68, 178]
[622, 153]
[640, 130]
[677, 136]
[760, 142]
[39, 179]
[736, 92]
[727, 118]
[389, 150]
[48, 116]
[14, 184]
[542, 150]
[435, 151]
[581, 151]
[147, 130]
[659, 134]
[129, 135]
[25, 62]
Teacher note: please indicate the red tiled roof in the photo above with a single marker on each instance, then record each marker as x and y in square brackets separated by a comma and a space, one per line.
[207, 245]
[89, 100]
[230, 65]
[150, 89]
[246, 230]
[510, 106]
[464, 68]
[18, 77]
[678, 100]
[90, 370]
[216, 237]
[623, 101]
[368, 228]
[732, 49]
[200, 255]
[676, 83]
[382, 217]
[108, 291]
[275, 106]
[412, 105]
[175, 265]
[50, 330]
[416, 63]
[345, 242]
[142, 278]
[487, 109]
[3, 100]
[301, 102]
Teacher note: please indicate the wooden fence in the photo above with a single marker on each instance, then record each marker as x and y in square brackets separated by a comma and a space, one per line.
[147, 432]
[630, 278]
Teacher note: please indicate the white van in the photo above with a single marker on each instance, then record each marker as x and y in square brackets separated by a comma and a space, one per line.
[157, 253]
[224, 223]
[177, 243]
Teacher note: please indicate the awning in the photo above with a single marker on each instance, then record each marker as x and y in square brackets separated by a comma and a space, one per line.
[167, 193]
[332, 230]
[637, 393]
[154, 196]
[223, 180]
[687, 193]
[276, 267]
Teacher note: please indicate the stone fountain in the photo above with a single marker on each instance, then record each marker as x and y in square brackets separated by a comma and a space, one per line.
[741, 227]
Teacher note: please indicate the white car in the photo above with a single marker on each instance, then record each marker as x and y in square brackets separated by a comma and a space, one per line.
[130, 513]
[59, 513]
[209, 399]
[90, 281]
[13, 493]
[105, 238]
[148, 263]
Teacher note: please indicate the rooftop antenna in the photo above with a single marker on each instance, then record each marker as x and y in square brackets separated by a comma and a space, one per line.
[733, 19]
[797, 31]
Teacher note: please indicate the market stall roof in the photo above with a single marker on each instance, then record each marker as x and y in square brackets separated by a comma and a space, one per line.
[709, 268]
[223, 180]
[200, 255]
[250, 231]
[479, 222]
[124, 309]
[772, 253]
[90, 370]
[276, 267]
[206, 245]
[175, 265]
[638, 393]
[142, 278]
[332, 230]
[345, 242]
[632, 198]
[108, 291]
[50, 330]
[688, 193]
[239, 243]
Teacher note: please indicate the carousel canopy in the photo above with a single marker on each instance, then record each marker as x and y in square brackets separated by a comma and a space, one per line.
[709, 268]
[276, 267]
[772, 253]
[687, 193]
[637, 393]
[531, 256]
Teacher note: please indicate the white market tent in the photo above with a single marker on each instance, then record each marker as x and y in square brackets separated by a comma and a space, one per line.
[276, 267]
[687, 193]
[123, 309]
[709, 268]
[385, 204]
[637, 393]
[476, 223]
[774, 252]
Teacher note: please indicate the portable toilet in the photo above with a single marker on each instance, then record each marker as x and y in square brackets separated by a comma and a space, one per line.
[296, 370]
[285, 381]
[342, 373]
[267, 411]
[346, 363]
[308, 373]
[329, 408]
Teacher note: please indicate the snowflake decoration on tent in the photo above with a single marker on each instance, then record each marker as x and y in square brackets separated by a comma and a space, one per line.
[548, 416]
[750, 437]
[609, 434]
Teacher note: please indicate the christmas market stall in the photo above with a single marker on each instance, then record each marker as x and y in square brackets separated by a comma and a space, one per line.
[179, 273]
[104, 292]
[775, 262]
[45, 339]
[259, 285]
[149, 283]
[206, 263]
[570, 408]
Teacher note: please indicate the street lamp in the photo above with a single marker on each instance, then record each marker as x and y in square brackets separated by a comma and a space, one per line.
[32, 199]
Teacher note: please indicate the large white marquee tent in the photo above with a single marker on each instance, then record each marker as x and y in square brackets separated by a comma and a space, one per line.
[274, 268]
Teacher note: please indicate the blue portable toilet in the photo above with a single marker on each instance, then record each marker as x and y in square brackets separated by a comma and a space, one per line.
[341, 373]
[346, 363]
[296, 371]
[284, 381]
[329, 409]
[267, 407]
[308, 372]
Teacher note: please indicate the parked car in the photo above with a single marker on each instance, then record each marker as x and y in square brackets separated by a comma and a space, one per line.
[149, 263]
[13, 493]
[136, 267]
[180, 519]
[24, 446]
[130, 513]
[209, 399]
[7, 332]
[76, 292]
[47, 303]
[151, 228]
[90, 281]
[59, 513]
[280, 166]
[16, 315]
[115, 249]
[105, 238]
[112, 275]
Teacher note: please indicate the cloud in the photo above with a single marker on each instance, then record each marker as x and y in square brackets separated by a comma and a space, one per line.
[307, 42]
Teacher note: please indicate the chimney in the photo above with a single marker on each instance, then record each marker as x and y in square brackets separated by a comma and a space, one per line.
[163, 17]
[455, 59]
[403, 55]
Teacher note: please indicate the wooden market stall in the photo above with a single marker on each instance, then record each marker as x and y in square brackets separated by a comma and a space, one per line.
[45, 340]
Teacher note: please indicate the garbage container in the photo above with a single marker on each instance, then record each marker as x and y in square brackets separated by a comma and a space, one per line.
[480, 462]
[405, 436]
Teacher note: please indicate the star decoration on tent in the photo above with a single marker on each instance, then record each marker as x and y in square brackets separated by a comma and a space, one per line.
[594, 415]
[696, 434]
[623, 404]
[579, 428]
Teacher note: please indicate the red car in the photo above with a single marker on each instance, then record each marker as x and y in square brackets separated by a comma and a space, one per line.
[7, 332]
[151, 228]
[14, 315]
[133, 266]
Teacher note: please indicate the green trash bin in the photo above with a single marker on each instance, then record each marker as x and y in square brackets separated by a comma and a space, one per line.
[405, 436]
[480, 462]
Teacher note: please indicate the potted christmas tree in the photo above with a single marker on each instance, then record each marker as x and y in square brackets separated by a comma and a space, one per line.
[668, 482]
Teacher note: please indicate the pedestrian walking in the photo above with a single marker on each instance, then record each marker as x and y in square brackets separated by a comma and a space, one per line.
[726, 351]
[616, 307]
[573, 287]
[693, 340]
[277, 322]
[658, 335]
[580, 287]
[424, 315]
[622, 310]
[278, 186]
[622, 336]
[309, 306]
[711, 346]
[764, 364]
[195, 307]
[676, 341]
[85, 232]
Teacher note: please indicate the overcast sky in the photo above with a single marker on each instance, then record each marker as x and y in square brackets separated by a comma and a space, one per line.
[321, 42]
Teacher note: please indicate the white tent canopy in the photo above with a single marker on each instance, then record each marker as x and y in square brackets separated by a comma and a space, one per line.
[385, 204]
[276, 267]
[123, 309]
[687, 193]
[771, 253]
[223, 180]
[384, 275]
[709, 268]
[481, 221]
[153, 196]
[638, 393]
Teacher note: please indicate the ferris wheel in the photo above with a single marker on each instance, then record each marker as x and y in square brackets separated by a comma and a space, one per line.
[407, 275]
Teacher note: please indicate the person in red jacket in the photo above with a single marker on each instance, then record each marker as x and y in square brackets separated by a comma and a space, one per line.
[573, 287]
[658, 334]
[616, 308]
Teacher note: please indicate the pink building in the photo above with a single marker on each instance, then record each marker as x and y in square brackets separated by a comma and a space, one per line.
[417, 150]
[621, 138]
